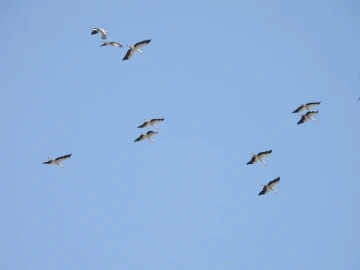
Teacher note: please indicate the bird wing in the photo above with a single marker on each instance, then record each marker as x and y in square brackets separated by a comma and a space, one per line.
[103, 34]
[150, 133]
[116, 44]
[95, 31]
[48, 162]
[311, 113]
[142, 43]
[157, 120]
[252, 161]
[312, 104]
[143, 124]
[273, 182]
[302, 120]
[140, 138]
[59, 159]
[264, 191]
[128, 54]
[264, 154]
[299, 109]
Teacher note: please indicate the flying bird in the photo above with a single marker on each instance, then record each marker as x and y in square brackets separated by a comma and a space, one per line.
[306, 106]
[269, 186]
[112, 43]
[151, 123]
[307, 116]
[258, 157]
[57, 160]
[134, 48]
[101, 31]
[146, 135]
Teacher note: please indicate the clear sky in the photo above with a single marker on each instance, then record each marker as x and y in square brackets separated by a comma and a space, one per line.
[226, 76]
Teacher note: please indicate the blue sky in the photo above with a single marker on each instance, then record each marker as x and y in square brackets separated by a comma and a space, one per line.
[226, 77]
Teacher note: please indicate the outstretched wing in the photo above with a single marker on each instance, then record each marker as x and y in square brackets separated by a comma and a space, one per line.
[313, 104]
[299, 109]
[128, 54]
[150, 133]
[157, 120]
[47, 162]
[273, 182]
[264, 154]
[302, 120]
[140, 138]
[145, 124]
[311, 113]
[252, 161]
[62, 158]
[142, 43]
[264, 191]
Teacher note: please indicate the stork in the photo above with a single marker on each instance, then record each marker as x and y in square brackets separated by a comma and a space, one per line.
[146, 135]
[101, 31]
[57, 160]
[258, 157]
[306, 106]
[112, 43]
[269, 186]
[151, 123]
[307, 116]
[134, 48]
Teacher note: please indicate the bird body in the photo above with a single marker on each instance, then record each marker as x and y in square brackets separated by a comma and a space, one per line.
[135, 48]
[258, 157]
[269, 186]
[307, 116]
[101, 31]
[146, 135]
[57, 160]
[151, 122]
[306, 106]
[112, 43]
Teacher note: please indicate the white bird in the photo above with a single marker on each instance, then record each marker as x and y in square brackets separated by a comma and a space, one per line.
[258, 157]
[306, 106]
[307, 116]
[112, 43]
[101, 31]
[57, 160]
[134, 48]
[269, 186]
[151, 122]
[146, 135]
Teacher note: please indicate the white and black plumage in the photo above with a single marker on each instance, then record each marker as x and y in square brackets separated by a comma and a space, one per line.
[307, 116]
[258, 157]
[146, 135]
[306, 106]
[151, 122]
[57, 160]
[135, 48]
[269, 186]
[112, 43]
[101, 31]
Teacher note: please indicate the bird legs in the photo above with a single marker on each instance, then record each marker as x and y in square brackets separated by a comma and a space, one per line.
[155, 126]
[274, 191]
[139, 51]
[262, 161]
[151, 139]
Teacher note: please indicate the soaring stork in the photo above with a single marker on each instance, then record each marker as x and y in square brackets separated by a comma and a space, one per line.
[258, 157]
[134, 48]
[57, 160]
[101, 31]
[112, 43]
[269, 186]
[307, 116]
[151, 123]
[306, 106]
[146, 135]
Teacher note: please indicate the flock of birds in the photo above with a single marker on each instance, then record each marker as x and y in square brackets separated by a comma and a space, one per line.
[132, 48]
[255, 157]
